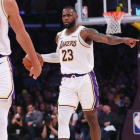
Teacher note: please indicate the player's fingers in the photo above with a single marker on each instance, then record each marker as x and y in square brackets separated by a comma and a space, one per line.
[136, 40]
[132, 45]
[31, 72]
[35, 77]
[23, 60]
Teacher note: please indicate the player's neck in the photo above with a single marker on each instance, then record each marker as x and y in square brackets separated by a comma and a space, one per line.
[71, 30]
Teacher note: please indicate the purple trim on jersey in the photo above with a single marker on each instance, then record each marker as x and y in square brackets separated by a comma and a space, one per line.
[1, 56]
[11, 66]
[96, 89]
[70, 75]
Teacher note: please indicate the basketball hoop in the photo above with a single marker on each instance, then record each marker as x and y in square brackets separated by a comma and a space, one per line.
[113, 20]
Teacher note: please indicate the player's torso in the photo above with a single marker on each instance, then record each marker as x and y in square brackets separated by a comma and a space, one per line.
[4, 39]
[75, 55]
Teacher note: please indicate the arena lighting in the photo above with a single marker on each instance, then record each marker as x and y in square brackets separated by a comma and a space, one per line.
[138, 11]
[22, 12]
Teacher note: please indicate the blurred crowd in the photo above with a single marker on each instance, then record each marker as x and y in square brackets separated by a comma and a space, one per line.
[33, 115]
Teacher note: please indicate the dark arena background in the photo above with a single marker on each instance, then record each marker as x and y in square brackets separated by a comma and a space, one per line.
[117, 69]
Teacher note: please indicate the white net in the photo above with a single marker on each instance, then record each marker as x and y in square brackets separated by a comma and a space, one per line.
[113, 20]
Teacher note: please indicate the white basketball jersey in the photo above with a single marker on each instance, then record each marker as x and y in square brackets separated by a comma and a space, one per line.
[4, 39]
[75, 55]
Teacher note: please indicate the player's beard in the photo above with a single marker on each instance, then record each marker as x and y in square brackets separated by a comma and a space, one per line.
[70, 25]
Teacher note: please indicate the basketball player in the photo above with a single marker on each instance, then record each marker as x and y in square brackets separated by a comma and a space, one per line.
[75, 54]
[9, 13]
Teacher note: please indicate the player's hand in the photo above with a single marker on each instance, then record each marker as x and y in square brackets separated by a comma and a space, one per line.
[130, 42]
[35, 70]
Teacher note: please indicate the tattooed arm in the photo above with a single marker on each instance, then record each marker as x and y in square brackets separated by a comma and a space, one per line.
[92, 34]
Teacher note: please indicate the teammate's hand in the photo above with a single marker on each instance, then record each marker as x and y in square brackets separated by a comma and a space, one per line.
[35, 71]
[130, 42]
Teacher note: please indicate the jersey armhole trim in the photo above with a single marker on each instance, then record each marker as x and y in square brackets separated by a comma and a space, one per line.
[2, 5]
[83, 43]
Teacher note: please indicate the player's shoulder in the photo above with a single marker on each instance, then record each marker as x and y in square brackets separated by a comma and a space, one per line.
[81, 26]
[58, 35]
[89, 31]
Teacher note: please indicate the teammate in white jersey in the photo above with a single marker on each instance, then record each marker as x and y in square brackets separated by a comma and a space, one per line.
[9, 13]
[75, 54]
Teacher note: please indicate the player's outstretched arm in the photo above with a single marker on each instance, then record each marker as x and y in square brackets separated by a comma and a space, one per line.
[22, 36]
[93, 34]
[51, 58]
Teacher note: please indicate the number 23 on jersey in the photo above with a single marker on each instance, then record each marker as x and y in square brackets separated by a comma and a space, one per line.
[67, 55]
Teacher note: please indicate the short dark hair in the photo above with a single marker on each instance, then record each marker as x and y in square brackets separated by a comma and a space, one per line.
[70, 7]
[32, 104]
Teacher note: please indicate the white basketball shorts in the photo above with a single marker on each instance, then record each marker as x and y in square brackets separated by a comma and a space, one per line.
[83, 89]
[6, 78]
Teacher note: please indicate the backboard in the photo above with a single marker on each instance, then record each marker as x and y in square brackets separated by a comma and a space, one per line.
[90, 12]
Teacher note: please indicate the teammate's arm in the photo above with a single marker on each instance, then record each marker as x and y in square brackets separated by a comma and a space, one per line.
[92, 34]
[22, 36]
